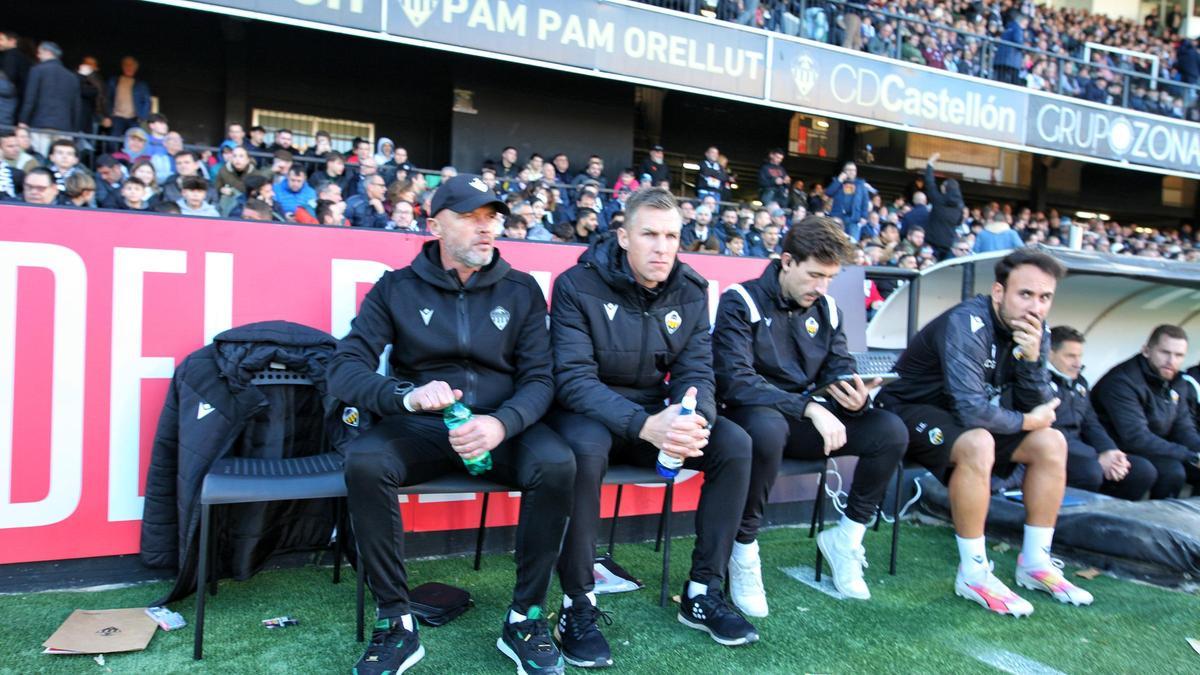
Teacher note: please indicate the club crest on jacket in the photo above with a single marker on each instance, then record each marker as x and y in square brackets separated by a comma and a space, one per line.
[673, 321]
[500, 317]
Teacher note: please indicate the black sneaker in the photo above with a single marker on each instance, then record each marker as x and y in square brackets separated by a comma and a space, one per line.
[579, 636]
[393, 650]
[713, 615]
[529, 645]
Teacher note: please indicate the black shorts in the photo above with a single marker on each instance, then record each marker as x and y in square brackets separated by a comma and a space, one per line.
[932, 432]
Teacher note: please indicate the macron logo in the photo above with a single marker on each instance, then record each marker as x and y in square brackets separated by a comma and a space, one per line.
[203, 410]
[976, 323]
[478, 184]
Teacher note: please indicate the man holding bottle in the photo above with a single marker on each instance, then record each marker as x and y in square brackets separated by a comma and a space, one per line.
[630, 332]
[466, 330]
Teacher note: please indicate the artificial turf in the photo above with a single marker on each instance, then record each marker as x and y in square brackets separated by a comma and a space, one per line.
[913, 623]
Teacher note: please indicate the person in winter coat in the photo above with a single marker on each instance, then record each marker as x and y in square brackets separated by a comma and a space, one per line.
[384, 148]
[773, 180]
[997, 235]
[960, 427]
[465, 327]
[1142, 404]
[777, 340]
[1187, 60]
[630, 330]
[945, 213]
[128, 98]
[1009, 57]
[8, 101]
[51, 99]
[851, 199]
[1094, 462]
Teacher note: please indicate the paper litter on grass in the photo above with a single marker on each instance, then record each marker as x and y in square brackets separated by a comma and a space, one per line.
[1194, 643]
[1089, 574]
[104, 631]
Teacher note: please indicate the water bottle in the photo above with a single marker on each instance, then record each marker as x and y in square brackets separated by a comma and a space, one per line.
[668, 466]
[455, 416]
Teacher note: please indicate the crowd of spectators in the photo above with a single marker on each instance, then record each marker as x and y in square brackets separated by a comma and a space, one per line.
[1012, 41]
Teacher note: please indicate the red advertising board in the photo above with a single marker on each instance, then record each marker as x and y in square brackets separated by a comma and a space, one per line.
[97, 309]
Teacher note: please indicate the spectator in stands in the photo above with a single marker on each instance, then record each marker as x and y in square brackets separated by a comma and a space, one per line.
[281, 163]
[235, 133]
[514, 228]
[259, 186]
[128, 98]
[294, 191]
[11, 179]
[713, 180]
[766, 371]
[322, 146]
[771, 241]
[1094, 463]
[187, 164]
[593, 174]
[80, 190]
[913, 241]
[194, 201]
[653, 170]
[283, 140]
[947, 212]
[403, 218]
[851, 199]
[257, 140]
[39, 187]
[13, 61]
[1142, 403]
[111, 174]
[947, 376]
[133, 195]
[334, 172]
[735, 245]
[51, 97]
[64, 161]
[332, 213]
[1187, 60]
[231, 178]
[508, 169]
[773, 179]
[256, 209]
[9, 100]
[144, 170]
[398, 167]
[917, 215]
[134, 147]
[695, 235]
[997, 235]
[366, 210]
[1009, 55]
[883, 43]
[1097, 91]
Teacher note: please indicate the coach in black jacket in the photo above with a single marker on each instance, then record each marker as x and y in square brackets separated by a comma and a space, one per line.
[776, 340]
[625, 319]
[463, 325]
[1094, 462]
[1142, 403]
[975, 394]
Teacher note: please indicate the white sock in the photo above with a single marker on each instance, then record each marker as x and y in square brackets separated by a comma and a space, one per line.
[514, 617]
[1035, 551]
[696, 588]
[972, 554]
[852, 530]
[407, 620]
[745, 553]
[590, 596]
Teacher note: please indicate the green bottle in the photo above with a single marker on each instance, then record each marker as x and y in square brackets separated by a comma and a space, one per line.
[455, 416]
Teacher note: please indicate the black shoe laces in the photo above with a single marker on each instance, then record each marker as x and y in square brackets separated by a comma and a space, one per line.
[385, 641]
[714, 605]
[536, 634]
[581, 619]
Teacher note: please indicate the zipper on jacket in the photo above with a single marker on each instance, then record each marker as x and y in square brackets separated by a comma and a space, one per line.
[464, 343]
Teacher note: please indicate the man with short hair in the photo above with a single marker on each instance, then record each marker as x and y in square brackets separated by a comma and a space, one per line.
[128, 98]
[975, 395]
[1094, 462]
[851, 199]
[334, 172]
[187, 163]
[294, 191]
[514, 228]
[283, 141]
[712, 179]
[773, 179]
[465, 327]
[771, 241]
[403, 218]
[1142, 403]
[785, 376]
[257, 209]
[366, 210]
[133, 195]
[331, 213]
[51, 98]
[697, 234]
[629, 313]
[585, 227]
[79, 190]
[281, 163]
[13, 61]
[194, 201]
[64, 161]
[322, 145]
[39, 187]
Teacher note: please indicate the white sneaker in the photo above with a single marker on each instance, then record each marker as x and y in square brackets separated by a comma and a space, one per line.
[846, 562]
[992, 594]
[1048, 579]
[746, 586]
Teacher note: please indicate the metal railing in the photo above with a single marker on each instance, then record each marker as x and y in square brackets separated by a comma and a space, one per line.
[811, 12]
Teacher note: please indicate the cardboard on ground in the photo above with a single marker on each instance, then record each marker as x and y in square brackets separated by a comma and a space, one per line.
[102, 631]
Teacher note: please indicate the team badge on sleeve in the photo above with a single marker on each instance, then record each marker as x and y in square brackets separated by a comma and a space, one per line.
[350, 416]
[500, 317]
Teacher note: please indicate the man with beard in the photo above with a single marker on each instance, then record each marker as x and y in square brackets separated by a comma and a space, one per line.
[975, 394]
[630, 329]
[465, 327]
[1143, 405]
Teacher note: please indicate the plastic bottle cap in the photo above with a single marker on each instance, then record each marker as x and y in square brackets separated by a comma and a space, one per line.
[688, 404]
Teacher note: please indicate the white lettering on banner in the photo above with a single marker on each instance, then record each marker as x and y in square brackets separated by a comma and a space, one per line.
[1086, 130]
[549, 21]
[866, 88]
[218, 294]
[345, 276]
[66, 387]
[355, 6]
[129, 368]
[683, 52]
[506, 19]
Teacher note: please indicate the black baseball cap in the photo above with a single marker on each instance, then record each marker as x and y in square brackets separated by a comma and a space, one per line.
[657, 147]
[463, 194]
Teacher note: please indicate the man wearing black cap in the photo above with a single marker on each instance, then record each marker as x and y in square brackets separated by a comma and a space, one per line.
[464, 326]
[653, 171]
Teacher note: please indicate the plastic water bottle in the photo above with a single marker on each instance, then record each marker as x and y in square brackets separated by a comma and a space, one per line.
[668, 466]
[455, 416]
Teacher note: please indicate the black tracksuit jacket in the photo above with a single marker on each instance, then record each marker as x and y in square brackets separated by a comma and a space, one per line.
[1075, 417]
[487, 337]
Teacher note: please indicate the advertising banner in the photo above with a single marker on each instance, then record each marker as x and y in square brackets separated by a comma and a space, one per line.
[98, 308]
[363, 14]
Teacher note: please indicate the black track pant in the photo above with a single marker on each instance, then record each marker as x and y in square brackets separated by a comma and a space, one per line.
[877, 437]
[409, 449]
[1172, 474]
[1084, 472]
[726, 467]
